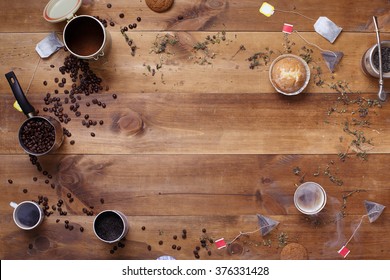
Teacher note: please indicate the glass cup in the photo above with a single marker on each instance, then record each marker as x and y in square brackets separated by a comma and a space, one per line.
[27, 214]
[310, 198]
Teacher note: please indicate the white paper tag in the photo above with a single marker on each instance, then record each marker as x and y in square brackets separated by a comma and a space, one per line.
[327, 28]
[49, 45]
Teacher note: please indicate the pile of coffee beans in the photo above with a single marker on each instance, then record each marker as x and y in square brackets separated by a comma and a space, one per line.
[37, 135]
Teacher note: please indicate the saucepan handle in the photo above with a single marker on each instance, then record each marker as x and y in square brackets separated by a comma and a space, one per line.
[26, 107]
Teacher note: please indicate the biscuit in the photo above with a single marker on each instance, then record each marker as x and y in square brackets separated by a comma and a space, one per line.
[293, 251]
[159, 6]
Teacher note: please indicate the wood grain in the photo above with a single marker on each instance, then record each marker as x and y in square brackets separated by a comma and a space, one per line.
[198, 140]
[193, 192]
[228, 72]
[218, 15]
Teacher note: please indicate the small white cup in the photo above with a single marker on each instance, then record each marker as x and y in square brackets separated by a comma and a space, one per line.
[110, 226]
[310, 198]
[27, 214]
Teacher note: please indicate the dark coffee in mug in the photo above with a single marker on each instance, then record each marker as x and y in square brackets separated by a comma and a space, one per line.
[84, 36]
[27, 215]
[109, 226]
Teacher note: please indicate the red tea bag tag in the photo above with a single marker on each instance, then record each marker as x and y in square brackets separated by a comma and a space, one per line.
[287, 28]
[220, 243]
[344, 251]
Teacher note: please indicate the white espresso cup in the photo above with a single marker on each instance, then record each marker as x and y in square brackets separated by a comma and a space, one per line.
[27, 214]
[110, 226]
[310, 198]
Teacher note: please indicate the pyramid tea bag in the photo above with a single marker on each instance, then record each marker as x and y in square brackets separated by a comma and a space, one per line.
[266, 224]
[332, 59]
[327, 29]
[374, 210]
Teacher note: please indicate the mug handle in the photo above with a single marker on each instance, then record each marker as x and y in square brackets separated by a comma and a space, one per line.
[13, 204]
[98, 55]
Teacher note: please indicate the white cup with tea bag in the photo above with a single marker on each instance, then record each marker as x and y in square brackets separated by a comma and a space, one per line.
[310, 198]
[27, 214]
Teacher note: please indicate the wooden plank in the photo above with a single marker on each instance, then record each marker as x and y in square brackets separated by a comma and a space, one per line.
[187, 185]
[53, 241]
[158, 123]
[221, 193]
[206, 15]
[228, 72]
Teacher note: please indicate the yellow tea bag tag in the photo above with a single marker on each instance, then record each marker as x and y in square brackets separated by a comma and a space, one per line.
[17, 107]
[267, 9]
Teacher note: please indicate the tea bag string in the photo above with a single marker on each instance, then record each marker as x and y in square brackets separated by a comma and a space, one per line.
[247, 233]
[314, 45]
[297, 13]
[33, 75]
[356, 229]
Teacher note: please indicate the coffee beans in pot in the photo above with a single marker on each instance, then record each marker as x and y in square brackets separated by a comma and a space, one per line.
[37, 135]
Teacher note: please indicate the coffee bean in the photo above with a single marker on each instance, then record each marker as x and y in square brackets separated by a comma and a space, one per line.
[138, 19]
[204, 230]
[69, 195]
[47, 181]
[102, 201]
[45, 83]
[71, 227]
[173, 246]
[175, 237]
[197, 256]
[53, 186]
[184, 231]
[114, 96]
[180, 17]
[72, 142]
[178, 248]
[87, 104]
[86, 116]
[184, 236]
[143, 228]
[134, 25]
[81, 229]
[149, 247]
[197, 248]
[35, 179]
[56, 80]
[121, 15]
[112, 23]
[71, 199]
[10, 181]
[112, 251]
[209, 253]
[92, 134]
[25, 190]
[101, 122]
[109, 5]
[52, 66]
[115, 248]
[160, 242]
[66, 222]
[66, 226]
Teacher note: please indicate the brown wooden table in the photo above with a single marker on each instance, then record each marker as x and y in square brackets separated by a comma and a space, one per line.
[198, 140]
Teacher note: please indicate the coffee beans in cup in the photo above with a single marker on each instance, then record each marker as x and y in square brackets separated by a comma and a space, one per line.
[37, 135]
